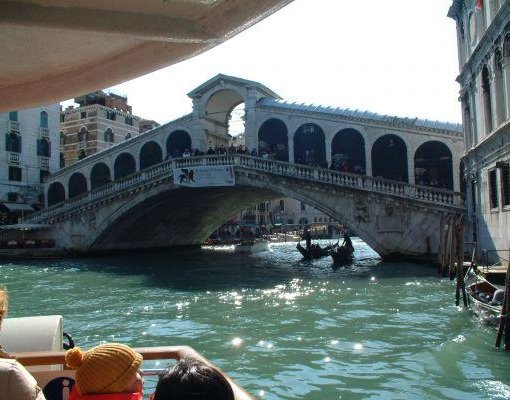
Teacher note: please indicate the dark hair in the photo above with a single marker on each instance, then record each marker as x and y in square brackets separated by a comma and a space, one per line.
[192, 379]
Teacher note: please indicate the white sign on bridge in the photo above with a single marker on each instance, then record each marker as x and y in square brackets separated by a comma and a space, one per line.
[217, 175]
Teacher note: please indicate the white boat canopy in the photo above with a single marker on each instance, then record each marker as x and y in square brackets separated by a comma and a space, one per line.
[54, 50]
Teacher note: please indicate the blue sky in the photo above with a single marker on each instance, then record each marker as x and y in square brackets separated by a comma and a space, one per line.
[394, 57]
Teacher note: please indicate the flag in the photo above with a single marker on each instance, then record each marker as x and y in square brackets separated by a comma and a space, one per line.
[479, 4]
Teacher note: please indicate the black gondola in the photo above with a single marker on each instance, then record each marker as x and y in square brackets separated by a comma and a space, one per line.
[315, 251]
[342, 255]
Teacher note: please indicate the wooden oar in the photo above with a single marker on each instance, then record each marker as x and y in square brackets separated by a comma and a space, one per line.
[504, 323]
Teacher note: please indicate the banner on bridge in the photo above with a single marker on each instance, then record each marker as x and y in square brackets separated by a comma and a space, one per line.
[216, 175]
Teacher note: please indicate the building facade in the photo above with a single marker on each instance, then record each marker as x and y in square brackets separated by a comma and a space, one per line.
[483, 32]
[29, 152]
[101, 120]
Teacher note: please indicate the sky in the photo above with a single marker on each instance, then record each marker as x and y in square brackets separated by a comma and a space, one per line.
[395, 57]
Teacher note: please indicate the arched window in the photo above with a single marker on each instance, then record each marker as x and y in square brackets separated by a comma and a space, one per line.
[468, 123]
[77, 185]
[177, 142]
[109, 136]
[125, 165]
[99, 176]
[128, 136]
[310, 145]
[348, 152]
[389, 158]
[273, 140]
[56, 193]
[486, 94]
[433, 165]
[282, 205]
[499, 87]
[44, 119]
[83, 135]
[150, 154]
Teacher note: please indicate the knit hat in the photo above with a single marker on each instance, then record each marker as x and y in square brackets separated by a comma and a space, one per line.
[108, 368]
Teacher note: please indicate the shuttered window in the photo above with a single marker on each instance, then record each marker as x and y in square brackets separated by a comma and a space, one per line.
[493, 189]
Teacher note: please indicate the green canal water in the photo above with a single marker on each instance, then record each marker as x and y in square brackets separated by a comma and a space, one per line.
[282, 328]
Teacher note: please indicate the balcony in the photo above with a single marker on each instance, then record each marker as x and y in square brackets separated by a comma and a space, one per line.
[13, 157]
[44, 162]
[45, 132]
[13, 126]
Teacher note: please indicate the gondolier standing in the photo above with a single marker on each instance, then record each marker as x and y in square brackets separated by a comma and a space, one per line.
[308, 238]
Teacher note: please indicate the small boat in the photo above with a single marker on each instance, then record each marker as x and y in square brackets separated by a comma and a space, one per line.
[485, 298]
[342, 255]
[252, 246]
[315, 251]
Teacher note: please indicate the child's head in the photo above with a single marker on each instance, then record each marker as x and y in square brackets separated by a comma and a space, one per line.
[108, 368]
[192, 379]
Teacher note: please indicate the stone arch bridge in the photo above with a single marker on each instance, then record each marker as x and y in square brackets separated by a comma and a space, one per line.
[147, 210]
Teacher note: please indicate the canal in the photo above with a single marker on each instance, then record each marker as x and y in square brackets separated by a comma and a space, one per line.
[282, 328]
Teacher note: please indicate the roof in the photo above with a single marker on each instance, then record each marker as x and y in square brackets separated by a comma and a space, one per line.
[14, 207]
[362, 114]
[220, 80]
[54, 50]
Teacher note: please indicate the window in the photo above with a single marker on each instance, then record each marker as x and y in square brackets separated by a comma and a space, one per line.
[13, 142]
[62, 117]
[44, 120]
[493, 189]
[128, 120]
[111, 115]
[128, 136]
[109, 136]
[43, 173]
[303, 206]
[282, 205]
[12, 197]
[505, 184]
[83, 114]
[15, 174]
[13, 116]
[62, 160]
[43, 148]
[82, 135]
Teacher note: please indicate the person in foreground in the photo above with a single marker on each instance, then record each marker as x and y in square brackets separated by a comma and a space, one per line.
[16, 383]
[193, 379]
[106, 372]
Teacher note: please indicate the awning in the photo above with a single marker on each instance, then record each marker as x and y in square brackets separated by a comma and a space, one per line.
[17, 207]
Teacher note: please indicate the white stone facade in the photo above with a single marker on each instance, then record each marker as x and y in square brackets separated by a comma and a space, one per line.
[484, 60]
[22, 168]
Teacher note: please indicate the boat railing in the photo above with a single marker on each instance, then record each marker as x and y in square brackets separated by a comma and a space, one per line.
[51, 359]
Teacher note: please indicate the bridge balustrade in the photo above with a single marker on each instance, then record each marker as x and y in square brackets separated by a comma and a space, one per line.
[343, 179]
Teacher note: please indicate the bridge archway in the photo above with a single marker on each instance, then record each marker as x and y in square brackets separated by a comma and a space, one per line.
[125, 165]
[150, 154]
[99, 176]
[56, 193]
[177, 142]
[273, 139]
[348, 151]
[389, 158]
[77, 184]
[310, 145]
[433, 165]
[217, 113]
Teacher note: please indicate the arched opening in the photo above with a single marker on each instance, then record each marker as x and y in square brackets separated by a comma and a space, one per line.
[310, 146]
[56, 193]
[348, 152]
[177, 142]
[150, 154]
[99, 176]
[222, 110]
[468, 130]
[62, 160]
[499, 87]
[109, 136]
[389, 158]
[124, 165]
[486, 95]
[77, 185]
[43, 120]
[83, 135]
[433, 165]
[273, 140]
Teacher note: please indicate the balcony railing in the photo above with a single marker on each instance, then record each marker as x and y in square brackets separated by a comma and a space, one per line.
[44, 162]
[14, 126]
[45, 132]
[13, 157]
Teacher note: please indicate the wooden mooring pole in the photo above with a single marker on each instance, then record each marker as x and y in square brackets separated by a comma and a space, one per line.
[504, 320]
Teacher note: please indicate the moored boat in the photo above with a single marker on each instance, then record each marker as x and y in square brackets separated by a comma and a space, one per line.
[485, 298]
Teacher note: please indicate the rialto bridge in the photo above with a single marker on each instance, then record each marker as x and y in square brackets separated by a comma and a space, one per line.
[391, 179]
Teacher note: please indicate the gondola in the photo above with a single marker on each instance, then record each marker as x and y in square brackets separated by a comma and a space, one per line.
[485, 298]
[315, 251]
[342, 255]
